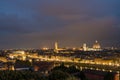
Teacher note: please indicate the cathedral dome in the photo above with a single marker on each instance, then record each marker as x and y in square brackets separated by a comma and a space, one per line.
[96, 45]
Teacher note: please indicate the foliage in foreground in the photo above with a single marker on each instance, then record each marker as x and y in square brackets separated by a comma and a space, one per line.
[20, 75]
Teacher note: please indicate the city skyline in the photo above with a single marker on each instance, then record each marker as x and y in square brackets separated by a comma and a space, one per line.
[58, 46]
[26, 24]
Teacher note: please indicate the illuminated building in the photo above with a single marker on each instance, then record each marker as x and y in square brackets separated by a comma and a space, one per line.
[96, 45]
[18, 54]
[45, 48]
[3, 59]
[85, 47]
[56, 47]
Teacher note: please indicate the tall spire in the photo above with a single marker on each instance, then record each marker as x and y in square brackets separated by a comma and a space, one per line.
[56, 47]
[85, 47]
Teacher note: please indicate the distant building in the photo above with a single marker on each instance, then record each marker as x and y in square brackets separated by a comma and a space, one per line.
[56, 47]
[18, 54]
[85, 47]
[96, 45]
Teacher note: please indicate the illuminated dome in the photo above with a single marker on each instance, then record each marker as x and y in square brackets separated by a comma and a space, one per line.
[96, 45]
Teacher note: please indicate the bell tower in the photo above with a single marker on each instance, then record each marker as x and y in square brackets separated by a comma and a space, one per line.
[56, 47]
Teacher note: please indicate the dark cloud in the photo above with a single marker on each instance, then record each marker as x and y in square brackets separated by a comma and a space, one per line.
[40, 23]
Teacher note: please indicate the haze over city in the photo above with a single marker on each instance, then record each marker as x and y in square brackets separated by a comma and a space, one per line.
[40, 23]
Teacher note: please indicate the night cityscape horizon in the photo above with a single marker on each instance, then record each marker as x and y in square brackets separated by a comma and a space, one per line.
[51, 46]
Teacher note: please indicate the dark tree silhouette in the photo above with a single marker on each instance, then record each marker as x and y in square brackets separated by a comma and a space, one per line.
[58, 75]
[109, 76]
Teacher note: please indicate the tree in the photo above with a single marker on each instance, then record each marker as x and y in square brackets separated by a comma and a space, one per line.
[72, 78]
[58, 75]
[61, 68]
[109, 76]
[72, 69]
[21, 75]
[81, 75]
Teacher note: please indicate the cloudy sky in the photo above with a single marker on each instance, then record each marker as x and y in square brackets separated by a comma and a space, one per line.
[39, 23]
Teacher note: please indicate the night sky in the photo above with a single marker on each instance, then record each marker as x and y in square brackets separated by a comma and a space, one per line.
[39, 23]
